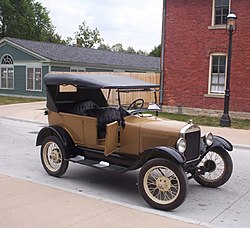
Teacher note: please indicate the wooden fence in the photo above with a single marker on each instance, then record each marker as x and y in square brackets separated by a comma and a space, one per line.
[128, 98]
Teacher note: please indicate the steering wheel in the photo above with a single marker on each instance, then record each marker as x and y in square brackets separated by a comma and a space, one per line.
[136, 104]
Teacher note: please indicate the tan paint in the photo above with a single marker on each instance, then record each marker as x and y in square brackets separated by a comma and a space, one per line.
[140, 132]
[111, 138]
[158, 133]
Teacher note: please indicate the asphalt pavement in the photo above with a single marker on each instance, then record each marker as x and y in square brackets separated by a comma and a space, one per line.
[26, 204]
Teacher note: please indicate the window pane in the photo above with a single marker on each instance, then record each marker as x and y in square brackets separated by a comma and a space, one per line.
[215, 69]
[222, 69]
[222, 80]
[3, 77]
[30, 73]
[220, 89]
[218, 2]
[218, 74]
[38, 84]
[214, 79]
[215, 60]
[10, 78]
[30, 78]
[214, 89]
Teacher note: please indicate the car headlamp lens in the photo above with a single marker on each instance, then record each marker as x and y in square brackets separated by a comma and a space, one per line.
[209, 139]
[181, 145]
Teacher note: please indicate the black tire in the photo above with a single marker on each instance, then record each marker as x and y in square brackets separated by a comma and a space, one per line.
[163, 184]
[221, 168]
[53, 156]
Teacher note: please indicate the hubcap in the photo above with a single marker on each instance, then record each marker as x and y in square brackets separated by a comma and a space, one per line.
[52, 156]
[163, 184]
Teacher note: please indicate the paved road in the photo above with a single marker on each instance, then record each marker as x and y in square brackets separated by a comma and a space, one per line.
[227, 206]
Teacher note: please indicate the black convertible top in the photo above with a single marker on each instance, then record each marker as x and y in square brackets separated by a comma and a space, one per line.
[97, 81]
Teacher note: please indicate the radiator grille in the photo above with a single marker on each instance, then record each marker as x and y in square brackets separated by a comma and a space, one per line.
[193, 145]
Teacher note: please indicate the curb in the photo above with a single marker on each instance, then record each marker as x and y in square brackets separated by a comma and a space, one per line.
[241, 146]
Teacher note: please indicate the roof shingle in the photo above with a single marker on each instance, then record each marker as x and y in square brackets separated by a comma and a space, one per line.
[65, 53]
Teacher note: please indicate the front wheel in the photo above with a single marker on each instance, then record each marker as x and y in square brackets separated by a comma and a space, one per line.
[162, 184]
[53, 156]
[218, 167]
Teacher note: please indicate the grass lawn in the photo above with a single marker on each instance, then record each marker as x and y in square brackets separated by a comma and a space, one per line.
[206, 121]
[4, 100]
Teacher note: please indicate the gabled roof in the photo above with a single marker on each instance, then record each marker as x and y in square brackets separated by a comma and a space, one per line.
[80, 55]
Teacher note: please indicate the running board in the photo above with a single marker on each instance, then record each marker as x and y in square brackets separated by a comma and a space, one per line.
[98, 164]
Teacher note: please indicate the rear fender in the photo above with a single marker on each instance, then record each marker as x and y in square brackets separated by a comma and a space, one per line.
[159, 152]
[59, 132]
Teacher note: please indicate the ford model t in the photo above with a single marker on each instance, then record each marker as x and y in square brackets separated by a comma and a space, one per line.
[84, 128]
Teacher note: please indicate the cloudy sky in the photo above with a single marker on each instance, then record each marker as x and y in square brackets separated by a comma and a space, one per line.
[135, 23]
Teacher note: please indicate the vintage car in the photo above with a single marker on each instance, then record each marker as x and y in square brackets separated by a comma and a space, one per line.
[84, 128]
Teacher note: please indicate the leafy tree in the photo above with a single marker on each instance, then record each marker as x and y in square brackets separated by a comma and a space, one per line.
[86, 37]
[156, 52]
[141, 52]
[104, 47]
[117, 48]
[130, 50]
[26, 19]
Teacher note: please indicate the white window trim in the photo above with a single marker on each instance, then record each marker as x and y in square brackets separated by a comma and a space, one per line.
[213, 26]
[34, 66]
[7, 66]
[209, 94]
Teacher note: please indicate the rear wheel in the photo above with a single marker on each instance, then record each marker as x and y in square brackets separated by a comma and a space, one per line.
[218, 166]
[53, 156]
[162, 184]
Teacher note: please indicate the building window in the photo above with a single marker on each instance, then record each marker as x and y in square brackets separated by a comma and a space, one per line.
[221, 9]
[217, 73]
[7, 78]
[7, 59]
[7, 72]
[34, 79]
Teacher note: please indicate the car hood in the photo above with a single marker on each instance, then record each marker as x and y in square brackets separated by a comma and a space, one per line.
[158, 132]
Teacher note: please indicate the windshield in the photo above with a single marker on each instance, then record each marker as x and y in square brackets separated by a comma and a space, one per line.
[133, 98]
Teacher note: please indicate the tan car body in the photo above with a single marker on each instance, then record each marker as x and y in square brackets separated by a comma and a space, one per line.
[141, 132]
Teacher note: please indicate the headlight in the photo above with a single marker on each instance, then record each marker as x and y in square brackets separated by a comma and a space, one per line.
[181, 145]
[209, 139]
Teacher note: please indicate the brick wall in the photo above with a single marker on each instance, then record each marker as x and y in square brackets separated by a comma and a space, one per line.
[188, 45]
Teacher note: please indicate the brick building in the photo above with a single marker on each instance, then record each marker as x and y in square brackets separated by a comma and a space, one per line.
[195, 56]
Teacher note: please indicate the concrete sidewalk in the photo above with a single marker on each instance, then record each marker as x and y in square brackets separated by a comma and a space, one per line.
[26, 204]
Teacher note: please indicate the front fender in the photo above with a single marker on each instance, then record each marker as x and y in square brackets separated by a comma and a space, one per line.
[159, 152]
[220, 142]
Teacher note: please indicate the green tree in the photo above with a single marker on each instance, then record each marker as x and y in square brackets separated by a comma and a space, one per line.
[117, 48]
[86, 37]
[156, 52]
[26, 19]
[104, 47]
[130, 50]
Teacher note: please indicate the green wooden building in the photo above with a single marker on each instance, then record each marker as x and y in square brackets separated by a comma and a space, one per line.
[23, 64]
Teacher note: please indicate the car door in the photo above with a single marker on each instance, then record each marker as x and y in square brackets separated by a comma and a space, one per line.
[111, 138]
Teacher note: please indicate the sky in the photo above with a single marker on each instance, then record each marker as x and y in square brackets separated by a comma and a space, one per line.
[135, 23]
